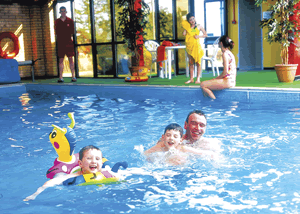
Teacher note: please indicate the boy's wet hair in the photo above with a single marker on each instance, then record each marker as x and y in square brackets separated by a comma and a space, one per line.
[174, 126]
[201, 113]
[86, 148]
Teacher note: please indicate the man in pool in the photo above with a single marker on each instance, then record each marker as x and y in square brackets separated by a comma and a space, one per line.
[195, 126]
[173, 151]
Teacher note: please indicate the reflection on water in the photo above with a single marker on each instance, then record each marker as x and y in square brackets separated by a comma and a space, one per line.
[257, 173]
[24, 99]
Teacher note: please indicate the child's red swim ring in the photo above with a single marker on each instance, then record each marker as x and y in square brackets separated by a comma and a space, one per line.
[15, 40]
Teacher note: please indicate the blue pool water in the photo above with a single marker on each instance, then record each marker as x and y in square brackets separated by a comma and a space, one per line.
[258, 173]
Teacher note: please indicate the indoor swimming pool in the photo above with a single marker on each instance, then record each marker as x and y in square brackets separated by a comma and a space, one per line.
[258, 171]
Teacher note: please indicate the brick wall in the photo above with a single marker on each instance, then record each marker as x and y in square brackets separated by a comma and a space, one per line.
[49, 46]
[32, 25]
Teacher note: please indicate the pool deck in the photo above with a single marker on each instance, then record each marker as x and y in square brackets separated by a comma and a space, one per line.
[251, 86]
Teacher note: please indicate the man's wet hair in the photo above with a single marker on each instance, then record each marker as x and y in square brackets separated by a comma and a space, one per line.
[62, 7]
[199, 112]
[174, 126]
[86, 148]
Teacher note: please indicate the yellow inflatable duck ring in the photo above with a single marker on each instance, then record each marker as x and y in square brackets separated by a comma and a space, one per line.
[63, 141]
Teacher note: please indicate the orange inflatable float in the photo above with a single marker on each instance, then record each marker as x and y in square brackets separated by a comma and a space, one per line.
[138, 74]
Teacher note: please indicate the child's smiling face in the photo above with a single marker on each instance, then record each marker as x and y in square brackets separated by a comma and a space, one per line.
[172, 138]
[91, 161]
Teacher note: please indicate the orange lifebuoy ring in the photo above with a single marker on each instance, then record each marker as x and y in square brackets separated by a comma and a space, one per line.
[15, 40]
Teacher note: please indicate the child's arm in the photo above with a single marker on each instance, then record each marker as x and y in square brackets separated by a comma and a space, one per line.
[159, 147]
[203, 31]
[53, 182]
[156, 148]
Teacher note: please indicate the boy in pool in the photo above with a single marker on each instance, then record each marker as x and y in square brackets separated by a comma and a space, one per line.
[172, 147]
[90, 162]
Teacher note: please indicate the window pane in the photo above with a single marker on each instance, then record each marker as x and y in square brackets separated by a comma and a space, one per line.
[213, 18]
[117, 10]
[67, 70]
[199, 15]
[182, 10]
[182, 60]
[166, 20]
[102, 20]
[151, 29]
[85, 61]
[67, 6]
[104, 61]
[83, 22]
[123, 60]
[150, 61]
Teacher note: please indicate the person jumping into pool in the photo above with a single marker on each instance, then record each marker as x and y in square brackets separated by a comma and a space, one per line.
[90, 161]
[227, 79]
[193, 46]
[173, 149]
[195, 126]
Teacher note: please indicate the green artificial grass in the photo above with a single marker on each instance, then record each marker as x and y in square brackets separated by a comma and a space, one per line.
[265, 78]
[262, 79]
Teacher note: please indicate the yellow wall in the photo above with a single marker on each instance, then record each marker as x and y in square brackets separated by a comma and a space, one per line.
[233, 29]
[271, 52]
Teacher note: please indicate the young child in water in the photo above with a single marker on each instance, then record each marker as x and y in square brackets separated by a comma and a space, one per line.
[175, 152]
[90, 162]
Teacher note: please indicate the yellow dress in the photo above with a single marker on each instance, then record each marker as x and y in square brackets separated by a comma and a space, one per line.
[193, 47]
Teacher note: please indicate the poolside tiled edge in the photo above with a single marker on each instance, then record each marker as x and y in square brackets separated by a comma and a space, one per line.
[266, 88]
[236, 93]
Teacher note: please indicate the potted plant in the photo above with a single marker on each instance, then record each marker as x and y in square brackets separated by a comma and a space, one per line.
[133, 19]
[282, 28]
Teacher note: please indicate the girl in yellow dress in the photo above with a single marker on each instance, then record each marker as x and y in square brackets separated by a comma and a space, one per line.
[193, 47]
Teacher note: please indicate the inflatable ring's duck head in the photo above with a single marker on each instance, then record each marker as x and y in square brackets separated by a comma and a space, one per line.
[63, 140]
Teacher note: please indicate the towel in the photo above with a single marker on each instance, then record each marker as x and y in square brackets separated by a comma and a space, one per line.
[161, 53]
[193, 47]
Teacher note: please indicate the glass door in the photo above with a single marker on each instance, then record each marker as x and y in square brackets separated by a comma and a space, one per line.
[213, 18]
[68, 6]
[103, 29]
[84, 38]
[151, 32]
[182, 9]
